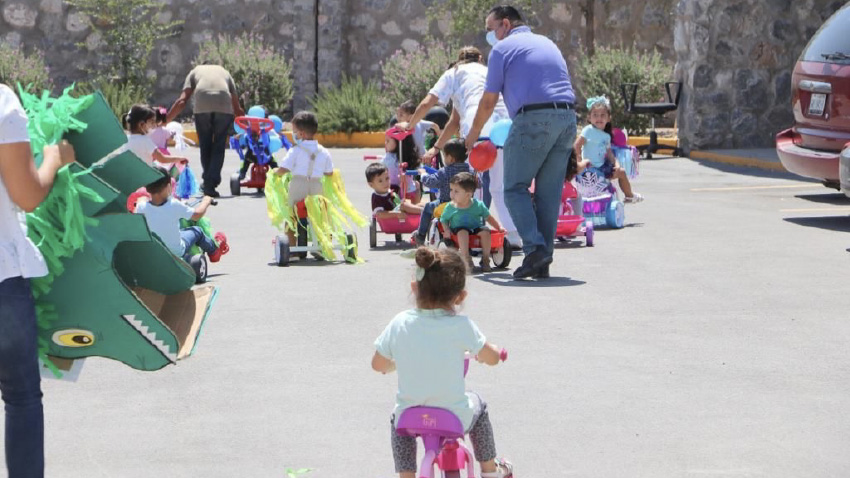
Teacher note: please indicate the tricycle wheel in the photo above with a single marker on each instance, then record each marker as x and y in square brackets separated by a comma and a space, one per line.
[235, 185]
[281, 250]
[199, 265]
[615, 216]
[373, 233]
[588, 234]
[398, 238]
[502, 255]
[351, 252]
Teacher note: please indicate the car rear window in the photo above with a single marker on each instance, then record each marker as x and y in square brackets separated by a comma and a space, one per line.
[831, 44]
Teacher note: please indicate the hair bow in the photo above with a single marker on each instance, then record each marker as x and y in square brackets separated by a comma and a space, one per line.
[591, 102]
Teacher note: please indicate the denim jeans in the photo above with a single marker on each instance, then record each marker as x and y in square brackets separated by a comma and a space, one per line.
[425, 218]
[538, 148]
[20, 382]
[194, 236]
[212, 131]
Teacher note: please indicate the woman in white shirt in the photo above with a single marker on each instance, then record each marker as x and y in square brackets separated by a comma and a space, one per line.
[463, 85]
[22, 187]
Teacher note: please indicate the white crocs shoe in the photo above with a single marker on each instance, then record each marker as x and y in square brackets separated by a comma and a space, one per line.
[635, 198]
[504, 469]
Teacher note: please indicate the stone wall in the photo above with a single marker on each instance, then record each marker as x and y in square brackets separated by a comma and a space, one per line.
[736, 58]
[353, 35]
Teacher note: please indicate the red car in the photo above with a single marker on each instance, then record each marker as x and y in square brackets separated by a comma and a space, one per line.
[820, 98]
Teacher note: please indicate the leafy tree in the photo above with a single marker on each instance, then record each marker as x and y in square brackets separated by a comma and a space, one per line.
[28, 70]
[467, 16]
[129, 29]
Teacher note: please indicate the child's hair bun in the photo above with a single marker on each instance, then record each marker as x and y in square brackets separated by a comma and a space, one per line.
[425, 258]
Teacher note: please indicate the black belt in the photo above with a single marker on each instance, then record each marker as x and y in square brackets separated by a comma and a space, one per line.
[547, 106]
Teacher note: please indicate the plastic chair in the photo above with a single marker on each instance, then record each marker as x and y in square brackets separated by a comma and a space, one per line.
[629, 91]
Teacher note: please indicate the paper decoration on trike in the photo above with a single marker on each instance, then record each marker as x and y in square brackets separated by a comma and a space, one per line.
[600, 203]
[328, 226]
[113, 289]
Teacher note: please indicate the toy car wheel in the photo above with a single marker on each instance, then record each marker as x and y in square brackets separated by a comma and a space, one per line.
[281, 251]
[199, 265]
[373, 233]
[615, 216]
[588, 234]
[433, 237]
[502, 255]
[351, 252]
[235, 185]
[398, 238]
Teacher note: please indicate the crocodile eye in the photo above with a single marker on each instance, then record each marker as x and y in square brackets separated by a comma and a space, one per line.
[73, 338]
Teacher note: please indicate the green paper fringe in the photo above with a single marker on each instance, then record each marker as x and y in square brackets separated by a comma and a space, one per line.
[330, 215]
[58, 225]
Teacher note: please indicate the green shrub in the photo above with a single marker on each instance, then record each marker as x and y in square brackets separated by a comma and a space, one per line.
[120, 95]
[410, 75]
[352, 106]
[603, 73]
[28, 70]
[261, 73]
[468, 15]
[129, 29]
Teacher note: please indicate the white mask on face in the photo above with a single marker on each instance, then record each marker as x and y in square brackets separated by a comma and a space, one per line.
[491, 38]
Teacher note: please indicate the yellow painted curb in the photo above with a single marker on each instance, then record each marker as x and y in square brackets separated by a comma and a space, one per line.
[737, 160]
[191, 135]
[642, 140]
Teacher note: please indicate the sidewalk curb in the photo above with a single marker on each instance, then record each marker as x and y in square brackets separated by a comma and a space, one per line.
[738, 161]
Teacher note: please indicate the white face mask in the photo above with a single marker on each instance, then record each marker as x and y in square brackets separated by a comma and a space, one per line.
[491, 38]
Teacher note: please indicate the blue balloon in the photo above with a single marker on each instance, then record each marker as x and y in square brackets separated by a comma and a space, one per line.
[275, 143]
[243, 141]
[257, 112]
[238, 128]
[499, 132]
[278, 123]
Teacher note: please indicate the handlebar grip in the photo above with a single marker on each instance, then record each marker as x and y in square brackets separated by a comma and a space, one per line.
[503, 355]
[369, 158]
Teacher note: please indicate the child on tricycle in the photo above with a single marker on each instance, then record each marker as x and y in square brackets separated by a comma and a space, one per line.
[427, 346]
[465, 216]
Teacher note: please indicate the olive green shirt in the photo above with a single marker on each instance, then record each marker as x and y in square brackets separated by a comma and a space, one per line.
[212, 87]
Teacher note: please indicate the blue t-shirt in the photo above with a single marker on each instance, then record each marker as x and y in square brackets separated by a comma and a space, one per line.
[428, 347]
[471, 217]
[596, 145]
[528, 68]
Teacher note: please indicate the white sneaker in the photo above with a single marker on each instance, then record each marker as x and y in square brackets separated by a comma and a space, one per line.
[636, 198]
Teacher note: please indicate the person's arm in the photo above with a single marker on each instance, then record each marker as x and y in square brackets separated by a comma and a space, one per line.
[237, 106]
[485, 110]
[201, 208]
[425, 105]
[489, 354]
[382, 364]
[579, 144]
[178, 105]
[27, 185]
[610, 155]
[492, 221]
[165, 159]
[452, 127]
[431, 180]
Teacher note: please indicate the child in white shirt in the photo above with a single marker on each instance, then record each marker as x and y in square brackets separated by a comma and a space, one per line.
[139, 122]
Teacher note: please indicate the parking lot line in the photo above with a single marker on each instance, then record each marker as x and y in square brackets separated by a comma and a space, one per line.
[819, 209]
[747, 188]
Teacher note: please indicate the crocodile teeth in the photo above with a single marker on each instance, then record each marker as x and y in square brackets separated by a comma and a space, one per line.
[151, 337]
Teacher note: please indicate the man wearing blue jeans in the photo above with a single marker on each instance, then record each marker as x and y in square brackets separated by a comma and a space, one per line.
[531, 74]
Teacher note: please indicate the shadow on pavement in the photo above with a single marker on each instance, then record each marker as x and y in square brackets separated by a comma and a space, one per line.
[506, 279]
[826, 198]
[830, 223]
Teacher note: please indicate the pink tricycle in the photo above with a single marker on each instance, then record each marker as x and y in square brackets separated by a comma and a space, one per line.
[442, 435]
[570, 224]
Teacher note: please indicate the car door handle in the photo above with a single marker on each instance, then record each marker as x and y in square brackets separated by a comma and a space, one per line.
[815, 86]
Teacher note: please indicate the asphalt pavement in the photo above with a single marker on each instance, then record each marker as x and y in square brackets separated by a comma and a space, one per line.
[706, 338]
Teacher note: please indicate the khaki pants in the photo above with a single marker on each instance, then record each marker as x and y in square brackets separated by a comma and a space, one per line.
[301, 186]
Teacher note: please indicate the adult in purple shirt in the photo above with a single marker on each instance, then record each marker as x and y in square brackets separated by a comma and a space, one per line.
[531, 74]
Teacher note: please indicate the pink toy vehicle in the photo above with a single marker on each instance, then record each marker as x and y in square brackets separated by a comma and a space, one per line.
[442, 435]
[570, 224]
[391, 225]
